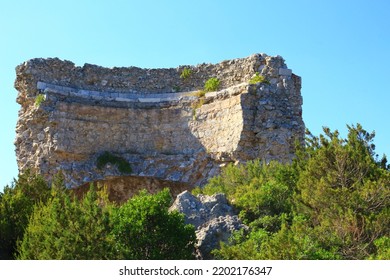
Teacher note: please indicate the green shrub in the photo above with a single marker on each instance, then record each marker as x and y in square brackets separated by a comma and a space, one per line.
[383, 248]
[39, 99]
[257, 78]
[212, 84]
[295, 241]
[186, 73]
[107, 157]
[145, 229]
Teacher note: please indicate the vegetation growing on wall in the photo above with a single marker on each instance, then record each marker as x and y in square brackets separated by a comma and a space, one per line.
[107, 157]
[257, 78]
[212, 84]
[176, 88]
[39, 99]
[186, 73]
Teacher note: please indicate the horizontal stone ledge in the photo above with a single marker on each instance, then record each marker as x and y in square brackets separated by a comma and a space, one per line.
[134, 97]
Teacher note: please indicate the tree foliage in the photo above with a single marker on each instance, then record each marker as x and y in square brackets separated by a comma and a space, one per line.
[16, 205]
[345, 191]
[331, 202]
[67, 228]
[144, 229]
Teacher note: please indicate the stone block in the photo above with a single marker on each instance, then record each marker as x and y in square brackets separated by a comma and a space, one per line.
[41, 85]
[285, 72]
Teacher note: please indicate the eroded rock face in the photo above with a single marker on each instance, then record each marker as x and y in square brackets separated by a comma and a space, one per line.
[214, 220]
[154, 119]
[121, 188]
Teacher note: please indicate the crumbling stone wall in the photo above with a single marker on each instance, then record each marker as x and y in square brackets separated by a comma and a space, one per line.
[154, 119]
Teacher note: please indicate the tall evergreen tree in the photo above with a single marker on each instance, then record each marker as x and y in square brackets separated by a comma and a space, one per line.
[16, 205]
[67, 228]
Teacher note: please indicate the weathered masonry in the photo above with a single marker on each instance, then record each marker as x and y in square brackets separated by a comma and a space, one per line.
[154, 119]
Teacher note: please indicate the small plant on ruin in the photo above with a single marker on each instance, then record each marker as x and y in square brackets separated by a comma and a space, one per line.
[186, 73]
[201, 93]
[176, 88]
[257, 78]
[107, 157]
[212, 84]
[199, 103]
[39, 99]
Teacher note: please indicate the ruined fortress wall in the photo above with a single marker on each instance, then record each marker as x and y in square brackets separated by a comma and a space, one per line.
[154, 119]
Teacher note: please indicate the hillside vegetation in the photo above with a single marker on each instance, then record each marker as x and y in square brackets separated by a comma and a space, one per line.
[331, 202]
[38, 222]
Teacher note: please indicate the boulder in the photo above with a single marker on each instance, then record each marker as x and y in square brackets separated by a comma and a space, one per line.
[214, 220]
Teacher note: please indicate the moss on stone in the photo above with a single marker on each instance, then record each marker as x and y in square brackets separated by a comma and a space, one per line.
[107, 157]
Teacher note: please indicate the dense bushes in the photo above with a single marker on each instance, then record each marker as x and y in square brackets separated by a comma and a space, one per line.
[41, 223]
[332, 202]
[144, 229]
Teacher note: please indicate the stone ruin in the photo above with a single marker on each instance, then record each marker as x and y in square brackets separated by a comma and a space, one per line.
[155, 120]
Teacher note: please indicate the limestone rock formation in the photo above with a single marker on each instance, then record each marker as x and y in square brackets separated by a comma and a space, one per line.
[214, 220]
[154, 119]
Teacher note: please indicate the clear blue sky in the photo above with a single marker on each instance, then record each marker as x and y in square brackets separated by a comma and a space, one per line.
[341, 49]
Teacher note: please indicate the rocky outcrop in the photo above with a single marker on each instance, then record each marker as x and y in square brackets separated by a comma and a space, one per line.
[214, 220]
[154, 119]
